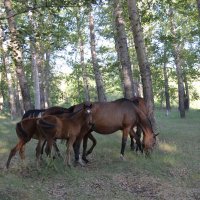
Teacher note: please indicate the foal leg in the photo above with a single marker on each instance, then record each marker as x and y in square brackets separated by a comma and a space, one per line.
[124, 140]
[56, 149]
[14, 150]
[70, 143]
[85, 139]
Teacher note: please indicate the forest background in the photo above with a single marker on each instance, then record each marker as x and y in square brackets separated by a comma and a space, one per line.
[66, 52]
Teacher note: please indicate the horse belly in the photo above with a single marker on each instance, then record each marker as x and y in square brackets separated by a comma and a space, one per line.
[106, 129]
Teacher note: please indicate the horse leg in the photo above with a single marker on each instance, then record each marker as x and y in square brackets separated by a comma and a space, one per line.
[22, 152]
[85, 139]
[42, 149]
[91, 137]
[137, 138]
[14, 150]
[70, 143]
[132, 143]
[76, 146]
[56, 149]
[124, 140]
[38, 152]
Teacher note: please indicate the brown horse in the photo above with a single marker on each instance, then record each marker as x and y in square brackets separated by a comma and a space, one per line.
[122, 114]
[69, 126]
[30, 128]
[26, 130]
[33, 113]
[141, 104]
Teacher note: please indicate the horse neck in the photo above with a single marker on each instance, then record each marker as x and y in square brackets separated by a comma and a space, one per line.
[79, 115]
[144, 122]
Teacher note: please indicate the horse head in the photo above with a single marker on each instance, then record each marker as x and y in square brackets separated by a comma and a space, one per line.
[149, 142]
[87, 107]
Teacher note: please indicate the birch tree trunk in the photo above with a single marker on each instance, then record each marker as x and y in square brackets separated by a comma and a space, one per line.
[166, 82]
[119, 66]
[46, 79]
[17, 56]
[98, 77]
[34, 62]
[81, 50]
[179, 72]
[5, 62]
[123, 53]
[198, 6]
[187, 96]
[142, 59]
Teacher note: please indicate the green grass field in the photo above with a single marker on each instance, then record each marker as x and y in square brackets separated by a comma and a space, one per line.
[173, 172]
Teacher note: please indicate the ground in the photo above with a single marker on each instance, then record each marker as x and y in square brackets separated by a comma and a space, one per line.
[172, 172]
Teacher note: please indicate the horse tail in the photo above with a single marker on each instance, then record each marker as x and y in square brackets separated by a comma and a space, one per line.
[21, 133]
[45, 124]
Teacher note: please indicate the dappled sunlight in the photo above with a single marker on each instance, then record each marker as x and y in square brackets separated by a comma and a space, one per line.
[3, 150]
[169, 161]
[3, 147]
[166, 147]
[3, 117]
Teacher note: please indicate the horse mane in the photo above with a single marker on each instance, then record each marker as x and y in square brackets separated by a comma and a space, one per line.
[33, 113]
[59, 110]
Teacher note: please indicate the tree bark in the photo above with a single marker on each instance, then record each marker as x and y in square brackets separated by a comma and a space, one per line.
[5, 63]
[17, 56]
[142, 59]
[82, 60]
[187, 96]
[34, 63]
[98, 76]
[198, 6]
[46, 80]
[166, 82]
[176, 54]
[123, 54]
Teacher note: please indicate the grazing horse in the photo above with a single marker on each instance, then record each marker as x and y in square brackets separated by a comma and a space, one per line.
[121, 114]
[69, 126]
[141, 104]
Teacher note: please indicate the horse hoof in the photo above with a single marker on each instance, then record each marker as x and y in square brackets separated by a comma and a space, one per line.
[79, 163]
[122, 157]
[85, 160]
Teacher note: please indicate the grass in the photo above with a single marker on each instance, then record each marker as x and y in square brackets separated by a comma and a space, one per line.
[173, 172]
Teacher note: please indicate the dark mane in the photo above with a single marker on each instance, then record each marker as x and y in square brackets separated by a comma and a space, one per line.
[33, 113]
[56, 110]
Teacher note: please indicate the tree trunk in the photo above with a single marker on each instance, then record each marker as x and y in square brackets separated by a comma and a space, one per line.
[198, 6]
[187, 96]
[119, 66]
[5, 63]
[81, 49]
[17, 56]
[98, 77]
[142, 59]
[123, 53]
[34, 62]
[166, 82]
[46, 80]
[176, 54]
